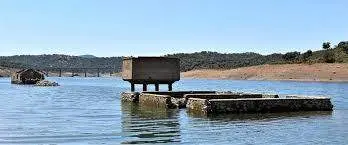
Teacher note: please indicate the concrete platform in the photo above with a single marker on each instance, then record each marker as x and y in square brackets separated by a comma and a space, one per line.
[176, 98]
[211, 102]
[258, 105]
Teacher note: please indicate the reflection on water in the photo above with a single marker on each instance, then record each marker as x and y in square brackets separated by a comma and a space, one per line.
[143, 124]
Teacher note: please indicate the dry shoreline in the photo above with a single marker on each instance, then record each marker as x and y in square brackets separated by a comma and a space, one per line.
[321, 72]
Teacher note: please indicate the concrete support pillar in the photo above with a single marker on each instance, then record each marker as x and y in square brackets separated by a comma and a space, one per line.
[144, 87]
[170, 87]
[60, 72]
[156, 87]
[98, 72]
[132, 87]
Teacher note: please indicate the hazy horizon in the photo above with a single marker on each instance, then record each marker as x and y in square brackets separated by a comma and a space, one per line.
[300, 50]
[155, 27]
[140, 55]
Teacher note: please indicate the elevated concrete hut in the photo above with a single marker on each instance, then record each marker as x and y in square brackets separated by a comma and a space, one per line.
[27, 76]
[151, 70]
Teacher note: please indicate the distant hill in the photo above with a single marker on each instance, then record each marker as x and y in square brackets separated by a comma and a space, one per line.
[189, 61]
[60, 61]
[214, 60]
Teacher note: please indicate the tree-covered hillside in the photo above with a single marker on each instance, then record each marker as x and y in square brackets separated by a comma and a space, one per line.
[60, 61]
[189, 61]
[214, 60]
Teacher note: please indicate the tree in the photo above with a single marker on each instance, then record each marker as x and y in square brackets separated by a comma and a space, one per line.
[343, 45]
[328, 55]
[326, 45]
[307, 54]
[291, 56]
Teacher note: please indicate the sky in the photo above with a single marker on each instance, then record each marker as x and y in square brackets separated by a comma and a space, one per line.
[159, 27]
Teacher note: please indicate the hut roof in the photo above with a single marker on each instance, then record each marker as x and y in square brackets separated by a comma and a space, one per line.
[25, 70]
[18, 72]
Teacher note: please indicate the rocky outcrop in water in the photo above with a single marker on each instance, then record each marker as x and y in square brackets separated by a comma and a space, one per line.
[47, 83]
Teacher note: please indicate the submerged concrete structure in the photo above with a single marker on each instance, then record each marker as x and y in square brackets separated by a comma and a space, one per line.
[169, 99]
[211, 102]
[151, 70]
[207, 106]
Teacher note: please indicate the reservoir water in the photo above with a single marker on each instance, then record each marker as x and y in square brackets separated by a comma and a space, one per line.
[89, 111]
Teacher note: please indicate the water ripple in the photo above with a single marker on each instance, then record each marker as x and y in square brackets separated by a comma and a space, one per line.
[89, 111]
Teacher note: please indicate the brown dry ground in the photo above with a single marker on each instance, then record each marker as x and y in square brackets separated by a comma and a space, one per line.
[6, 72]
[296, 72]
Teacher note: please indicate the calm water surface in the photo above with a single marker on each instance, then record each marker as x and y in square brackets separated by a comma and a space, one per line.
[89, 111]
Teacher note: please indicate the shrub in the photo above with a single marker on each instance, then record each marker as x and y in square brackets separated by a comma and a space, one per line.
[306, 55]
[329, 56]
[291, 56]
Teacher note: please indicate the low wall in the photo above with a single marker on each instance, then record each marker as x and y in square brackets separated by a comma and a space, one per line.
[155, 100]
[253, 105]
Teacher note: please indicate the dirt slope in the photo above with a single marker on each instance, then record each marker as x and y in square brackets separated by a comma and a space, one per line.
[300, 72]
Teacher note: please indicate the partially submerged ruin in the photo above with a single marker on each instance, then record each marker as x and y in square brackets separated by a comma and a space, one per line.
[157, 70]
[209, 102]
[27, 76]
[31, 77]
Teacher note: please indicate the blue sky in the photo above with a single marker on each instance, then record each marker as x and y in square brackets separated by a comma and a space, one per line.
[157, 27]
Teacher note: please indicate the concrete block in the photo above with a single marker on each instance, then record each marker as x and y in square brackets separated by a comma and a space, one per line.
[155, 100]
[130, 96]
[254, 105]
